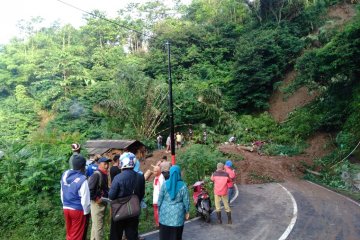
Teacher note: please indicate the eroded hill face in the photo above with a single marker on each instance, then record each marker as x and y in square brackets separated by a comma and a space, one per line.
[282, 105]
[340, 14]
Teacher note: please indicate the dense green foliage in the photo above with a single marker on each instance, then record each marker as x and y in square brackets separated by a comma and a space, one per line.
[199, 162]
[59, 85]
[30, 186]
[262, 57]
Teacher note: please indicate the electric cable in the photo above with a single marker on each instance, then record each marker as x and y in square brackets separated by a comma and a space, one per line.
[120, 25]
[105, 19]
[346, 156]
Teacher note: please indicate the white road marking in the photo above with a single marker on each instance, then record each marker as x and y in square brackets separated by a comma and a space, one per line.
[356, 203]
[293, 219]
[236, 193]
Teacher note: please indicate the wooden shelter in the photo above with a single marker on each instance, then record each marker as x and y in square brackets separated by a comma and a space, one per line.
[109, 148]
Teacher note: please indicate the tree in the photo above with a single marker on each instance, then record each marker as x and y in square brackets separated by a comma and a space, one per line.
[262, 58]
[137, 103]
[277, 10]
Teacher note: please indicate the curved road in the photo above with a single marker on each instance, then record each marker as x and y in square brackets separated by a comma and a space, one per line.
[296, 210]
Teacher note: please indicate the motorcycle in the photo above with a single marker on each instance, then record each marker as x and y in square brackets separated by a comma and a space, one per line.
[202, 201]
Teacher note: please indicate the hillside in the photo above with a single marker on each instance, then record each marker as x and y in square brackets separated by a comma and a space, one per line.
[282, 104]
[282, 72]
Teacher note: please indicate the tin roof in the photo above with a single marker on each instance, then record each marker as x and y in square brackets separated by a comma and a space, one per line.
[102, 146]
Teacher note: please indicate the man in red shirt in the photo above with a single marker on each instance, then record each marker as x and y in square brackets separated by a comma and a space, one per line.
[221, 180]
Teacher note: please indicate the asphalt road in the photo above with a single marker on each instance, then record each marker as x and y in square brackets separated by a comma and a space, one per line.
[323, 214]
[268, 212]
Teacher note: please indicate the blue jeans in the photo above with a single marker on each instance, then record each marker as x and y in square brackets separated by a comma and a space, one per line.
[159, 146]
[231, 193]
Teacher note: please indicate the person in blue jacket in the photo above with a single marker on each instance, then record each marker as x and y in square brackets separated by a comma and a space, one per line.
[91, 168]
[75, 197]
[123, 185]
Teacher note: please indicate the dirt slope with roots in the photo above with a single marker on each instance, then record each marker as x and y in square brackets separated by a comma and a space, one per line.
[255, 168]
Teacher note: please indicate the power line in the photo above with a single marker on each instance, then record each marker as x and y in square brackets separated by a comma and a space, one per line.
[121, 25]
[105, 19]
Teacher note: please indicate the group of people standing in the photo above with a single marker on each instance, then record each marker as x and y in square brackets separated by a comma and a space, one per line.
[85, 193]
[179, 139]
[86, 197]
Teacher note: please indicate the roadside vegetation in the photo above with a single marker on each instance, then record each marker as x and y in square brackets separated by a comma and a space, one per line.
[60, 85]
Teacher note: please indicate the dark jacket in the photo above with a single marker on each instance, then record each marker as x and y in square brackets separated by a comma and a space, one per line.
[114, 170]
[97, 189]
[124, 185]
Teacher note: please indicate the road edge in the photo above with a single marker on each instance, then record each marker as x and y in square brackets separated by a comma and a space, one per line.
[329, 190]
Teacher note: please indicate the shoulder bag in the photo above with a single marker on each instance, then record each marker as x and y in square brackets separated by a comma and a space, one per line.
[126, 207]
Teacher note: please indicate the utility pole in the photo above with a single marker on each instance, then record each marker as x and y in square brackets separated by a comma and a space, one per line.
[171, 112]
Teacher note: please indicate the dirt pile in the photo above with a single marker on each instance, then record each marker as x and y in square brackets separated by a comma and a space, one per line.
[255, 168]
[152, 160]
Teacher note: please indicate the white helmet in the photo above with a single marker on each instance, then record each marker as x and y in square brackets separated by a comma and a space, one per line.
[127, 160]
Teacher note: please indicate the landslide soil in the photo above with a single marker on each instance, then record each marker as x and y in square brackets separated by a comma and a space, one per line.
[254, 168]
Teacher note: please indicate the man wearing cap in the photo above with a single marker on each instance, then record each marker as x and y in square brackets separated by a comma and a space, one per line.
[232, 175]
[99, 188]
[124, 184]
[75, 197]
[75, 147]
[221, 180]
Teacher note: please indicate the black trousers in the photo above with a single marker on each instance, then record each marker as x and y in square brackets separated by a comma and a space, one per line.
[130, 226]
[171, 233]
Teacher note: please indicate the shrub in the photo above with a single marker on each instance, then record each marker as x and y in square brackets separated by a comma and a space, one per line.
[198, 161]
[287, 150]
[261, 127]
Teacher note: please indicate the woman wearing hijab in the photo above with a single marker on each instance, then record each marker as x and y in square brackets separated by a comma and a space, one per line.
[174, 206]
